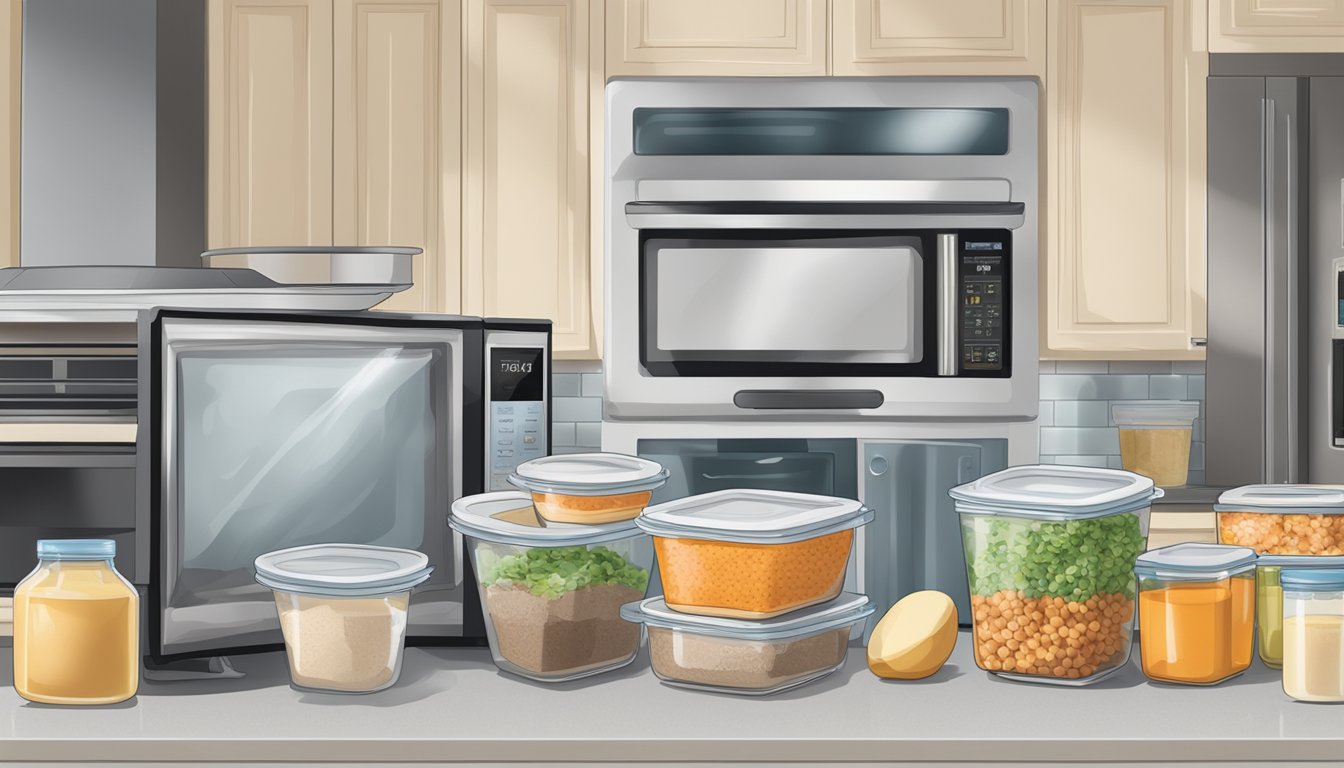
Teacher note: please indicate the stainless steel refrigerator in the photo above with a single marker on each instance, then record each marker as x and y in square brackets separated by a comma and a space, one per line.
[1275, 253]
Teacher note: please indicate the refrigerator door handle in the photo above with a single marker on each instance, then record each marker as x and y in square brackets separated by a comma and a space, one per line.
[1290, 354]
[1267, 212]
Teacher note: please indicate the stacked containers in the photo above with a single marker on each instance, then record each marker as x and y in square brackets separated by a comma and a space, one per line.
[1050, 560]
[754, 578]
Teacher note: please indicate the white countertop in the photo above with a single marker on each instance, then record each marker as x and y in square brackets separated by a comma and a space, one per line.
[452, 705]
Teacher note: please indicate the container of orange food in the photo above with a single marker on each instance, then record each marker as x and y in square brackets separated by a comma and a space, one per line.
[752, 554]
[589, 488]
[1283, 519]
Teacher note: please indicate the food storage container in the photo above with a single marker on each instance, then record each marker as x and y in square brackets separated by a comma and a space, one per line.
[343, 612]
[752, 554]
[589, 488]
[749, 657]
[1283, 519]
[76, 626]
[1050, 560]
[1155, 437]
[552, 592]
[1196, 611]
[1269, 601]
[1313, 633]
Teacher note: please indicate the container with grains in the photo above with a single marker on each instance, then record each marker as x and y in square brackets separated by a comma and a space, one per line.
[1283, 519]
[1050, 561]
[752, 554]
[1155, 437]
[749, 657]
[552, 592]
[589, 488]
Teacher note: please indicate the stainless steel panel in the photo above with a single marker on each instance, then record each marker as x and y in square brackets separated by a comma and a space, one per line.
[1325, 170]
[822, 221]
[948, 305]
[880, 190]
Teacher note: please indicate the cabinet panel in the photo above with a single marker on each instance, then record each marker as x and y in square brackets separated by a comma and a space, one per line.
[396, 139]
[1125, 174]
[11, 60]
[1288, 26]
[527, 199]
[714, 37]
[270, 122]
[950, 37]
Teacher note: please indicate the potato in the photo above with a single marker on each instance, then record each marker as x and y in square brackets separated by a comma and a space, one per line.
[915, 638]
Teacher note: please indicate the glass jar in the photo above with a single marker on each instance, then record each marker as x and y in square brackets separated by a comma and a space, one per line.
[1313, 633]
[76, 626]
[1269, 601]
[1196, 609]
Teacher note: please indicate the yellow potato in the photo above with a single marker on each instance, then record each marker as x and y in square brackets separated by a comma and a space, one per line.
[915, 638]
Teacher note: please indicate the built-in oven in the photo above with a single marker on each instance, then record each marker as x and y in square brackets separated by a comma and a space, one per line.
[831, 249]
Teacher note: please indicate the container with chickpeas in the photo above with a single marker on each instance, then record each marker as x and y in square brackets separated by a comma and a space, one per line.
[1283, 519]
[1050, 560]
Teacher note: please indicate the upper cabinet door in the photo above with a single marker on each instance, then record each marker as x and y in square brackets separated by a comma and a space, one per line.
[1126, 159]
[1276, 26]
[939, 37]
[269, 123]
[526, 203]
[716, 37]
[396, 139]
[11, 60]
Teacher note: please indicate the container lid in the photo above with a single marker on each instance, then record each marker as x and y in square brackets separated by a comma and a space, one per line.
[1195, 561]
[1056, 492]
[1312, 579]
[76, 549]
[1155, 413]
[753, 516]
[508, 517]
[346, 570]
[589, 474]
[1300, 561]
[845, 609]
[1287, 499]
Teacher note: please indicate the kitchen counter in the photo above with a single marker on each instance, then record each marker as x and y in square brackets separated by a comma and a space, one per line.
[452, 705]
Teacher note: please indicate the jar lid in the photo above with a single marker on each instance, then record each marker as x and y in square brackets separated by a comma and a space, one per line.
[1283, 499]
[847, 608]
[1155, 413]
[589, 474]
[1312, 580]
[1197, 561]
[1300, 561]
[508, 517]
[752, 516]
[342, 570]
[76, 549]
[1055, 492]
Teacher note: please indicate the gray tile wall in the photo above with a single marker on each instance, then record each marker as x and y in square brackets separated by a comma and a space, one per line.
[576, 408]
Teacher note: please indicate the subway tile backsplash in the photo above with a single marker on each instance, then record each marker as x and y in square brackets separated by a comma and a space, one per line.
[1076, 397]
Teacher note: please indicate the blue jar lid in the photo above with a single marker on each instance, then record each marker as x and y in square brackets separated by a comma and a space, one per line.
[1313, 580]
[76, 549]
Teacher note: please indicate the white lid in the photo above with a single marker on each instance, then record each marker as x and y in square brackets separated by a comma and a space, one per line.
[846, 608]
[508, 517]
[1300, 561]
[753, 516]
[1056, 492]
[347, 570]
[1187, 560]
[1155, 413]
[589, 474]
[1288, 499]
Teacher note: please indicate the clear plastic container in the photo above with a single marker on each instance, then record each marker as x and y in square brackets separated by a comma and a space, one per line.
[552, 592]
[1283, 519]
[749, 657]
[1196, 612]
[1269, 601]
[76, 626]
[589, 488]
[1155, 438]
[1050, 560]
[343, 612]
[752, 554]
[1313, 633]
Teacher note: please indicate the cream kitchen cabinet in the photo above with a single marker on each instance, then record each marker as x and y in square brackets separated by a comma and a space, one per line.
[11, 56]
[938, 37]
[1276, 26]
[1125, 168]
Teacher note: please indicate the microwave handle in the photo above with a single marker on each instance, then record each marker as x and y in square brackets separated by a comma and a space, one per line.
[947, 304]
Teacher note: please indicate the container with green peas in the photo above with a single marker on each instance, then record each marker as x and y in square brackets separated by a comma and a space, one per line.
[1050, 561]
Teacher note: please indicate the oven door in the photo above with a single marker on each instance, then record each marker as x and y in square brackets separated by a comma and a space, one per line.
[271, 431]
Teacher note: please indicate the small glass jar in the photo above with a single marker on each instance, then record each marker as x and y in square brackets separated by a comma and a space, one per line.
[1313, 633]
[1269, 600]
[76, 626]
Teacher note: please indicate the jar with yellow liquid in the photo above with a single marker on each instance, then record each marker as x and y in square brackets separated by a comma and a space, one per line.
[76, 627]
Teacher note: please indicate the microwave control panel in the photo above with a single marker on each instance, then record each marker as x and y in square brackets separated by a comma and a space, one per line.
[984, 310]
[516, 385]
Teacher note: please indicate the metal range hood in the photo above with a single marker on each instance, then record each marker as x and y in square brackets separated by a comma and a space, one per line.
[113, 133]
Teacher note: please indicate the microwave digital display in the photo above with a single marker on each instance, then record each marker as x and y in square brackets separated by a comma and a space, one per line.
[516, 374]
